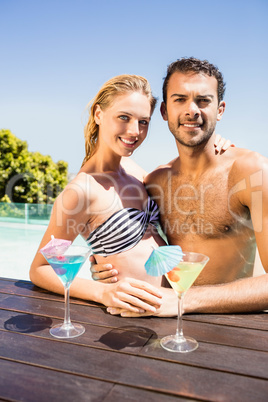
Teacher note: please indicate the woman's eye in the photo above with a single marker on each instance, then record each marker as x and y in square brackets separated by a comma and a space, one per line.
[125, 118]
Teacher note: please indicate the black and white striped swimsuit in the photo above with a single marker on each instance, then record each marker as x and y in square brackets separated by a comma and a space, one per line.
[123, 230]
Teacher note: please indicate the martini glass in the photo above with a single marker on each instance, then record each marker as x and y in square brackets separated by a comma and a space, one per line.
[181, 279]
[67, 265]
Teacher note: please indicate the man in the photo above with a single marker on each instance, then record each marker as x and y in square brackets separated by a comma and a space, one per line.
[213, 203]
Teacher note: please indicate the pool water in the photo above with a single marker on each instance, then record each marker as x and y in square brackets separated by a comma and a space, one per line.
[19, 244]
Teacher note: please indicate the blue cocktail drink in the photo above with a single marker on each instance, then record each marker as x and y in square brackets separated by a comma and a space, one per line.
[66, 267]
[66, 263]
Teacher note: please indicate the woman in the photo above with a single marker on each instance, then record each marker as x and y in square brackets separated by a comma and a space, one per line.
[108, 204]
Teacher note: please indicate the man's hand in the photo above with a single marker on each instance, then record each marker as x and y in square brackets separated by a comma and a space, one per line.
[168, 308]
[102, 272]
[132, 295]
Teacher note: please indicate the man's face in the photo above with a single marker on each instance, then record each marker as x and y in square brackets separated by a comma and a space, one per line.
[192, 108]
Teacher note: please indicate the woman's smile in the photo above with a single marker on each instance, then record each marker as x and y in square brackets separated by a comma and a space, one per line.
[130, 143]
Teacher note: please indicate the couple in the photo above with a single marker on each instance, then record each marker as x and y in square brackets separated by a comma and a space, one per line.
[209, 201]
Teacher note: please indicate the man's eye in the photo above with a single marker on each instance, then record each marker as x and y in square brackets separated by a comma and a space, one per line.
[179, 100]
[144, 122]
[205, 101]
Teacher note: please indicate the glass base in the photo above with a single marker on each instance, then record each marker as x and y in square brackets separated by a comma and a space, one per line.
[67, 330]
[174, 343]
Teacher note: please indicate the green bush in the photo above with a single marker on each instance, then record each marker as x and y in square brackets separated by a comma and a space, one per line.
[28, 177]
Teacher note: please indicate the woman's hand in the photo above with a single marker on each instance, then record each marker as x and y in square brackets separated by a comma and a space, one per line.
[132, 295]
[221, 144]
[168, 308]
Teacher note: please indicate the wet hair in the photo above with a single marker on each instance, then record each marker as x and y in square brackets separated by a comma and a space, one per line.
[190, 64]
[116, 86]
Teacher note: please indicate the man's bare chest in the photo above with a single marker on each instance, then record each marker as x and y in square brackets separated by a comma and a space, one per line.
[202, 207]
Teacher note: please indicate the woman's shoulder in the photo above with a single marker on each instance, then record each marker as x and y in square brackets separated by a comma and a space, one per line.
[82, 179]
[80, 189]
[133, 169]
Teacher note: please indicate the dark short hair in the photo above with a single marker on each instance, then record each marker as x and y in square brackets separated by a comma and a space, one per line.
[188, 64]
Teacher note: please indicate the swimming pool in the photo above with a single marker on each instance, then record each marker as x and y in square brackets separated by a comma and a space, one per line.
[19, 243]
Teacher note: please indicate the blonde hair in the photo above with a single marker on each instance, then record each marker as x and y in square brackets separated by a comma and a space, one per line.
[114, 87]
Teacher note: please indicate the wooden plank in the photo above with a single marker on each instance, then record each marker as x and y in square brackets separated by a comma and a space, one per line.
[125, 339]
[80, 313]
[11, 282]
[216, 357]
[39, 384]
[253, 321]
[21, 382]
[20, 287]
[145, 373]
[203, 332]
[27, 288]
[213, 353]
[128, 340]
[223, 335]
[52, 308]
[121, 393]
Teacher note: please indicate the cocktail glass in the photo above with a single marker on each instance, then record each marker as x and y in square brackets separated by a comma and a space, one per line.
[67, 265]
[181, 279]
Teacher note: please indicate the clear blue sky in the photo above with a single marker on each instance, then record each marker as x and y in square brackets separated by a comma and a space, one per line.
[56, 54]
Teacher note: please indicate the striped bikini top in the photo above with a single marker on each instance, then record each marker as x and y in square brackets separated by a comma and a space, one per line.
[123, 230]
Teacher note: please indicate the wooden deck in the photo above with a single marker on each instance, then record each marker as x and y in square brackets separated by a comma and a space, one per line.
[120, 359]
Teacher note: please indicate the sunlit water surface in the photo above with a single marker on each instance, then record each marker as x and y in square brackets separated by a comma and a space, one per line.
[19, 243]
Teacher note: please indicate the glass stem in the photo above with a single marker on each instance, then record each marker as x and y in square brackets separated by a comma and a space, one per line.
[67, 320]
[179, 331]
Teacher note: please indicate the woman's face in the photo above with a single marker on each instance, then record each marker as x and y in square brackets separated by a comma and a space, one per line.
[123, 126]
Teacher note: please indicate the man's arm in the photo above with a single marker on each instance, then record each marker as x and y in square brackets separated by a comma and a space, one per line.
[241, 296]
[256, 198]
[105, 273]
[248, 294]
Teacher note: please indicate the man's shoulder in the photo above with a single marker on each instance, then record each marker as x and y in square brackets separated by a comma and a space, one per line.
[159, 173]
[248, 173]
[247, 165]
[247, 160]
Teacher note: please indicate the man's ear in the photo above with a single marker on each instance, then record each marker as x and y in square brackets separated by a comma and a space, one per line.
[163, 111]
[97, 114]
[221, 110]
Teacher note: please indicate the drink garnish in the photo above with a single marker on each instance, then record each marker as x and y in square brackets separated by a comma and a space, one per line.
[173, 275]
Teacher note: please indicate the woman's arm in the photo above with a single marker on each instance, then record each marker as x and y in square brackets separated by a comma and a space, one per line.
[129, 294]
[67, 221]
